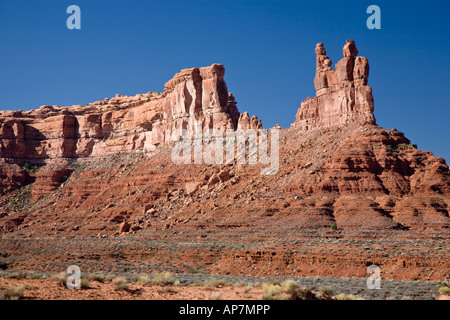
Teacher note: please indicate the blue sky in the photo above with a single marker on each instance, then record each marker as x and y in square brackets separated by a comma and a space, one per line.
[267, 48]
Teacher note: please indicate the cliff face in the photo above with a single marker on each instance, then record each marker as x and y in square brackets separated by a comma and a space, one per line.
[334, 149]
[342, 95]
[341, 177]
[120, 124]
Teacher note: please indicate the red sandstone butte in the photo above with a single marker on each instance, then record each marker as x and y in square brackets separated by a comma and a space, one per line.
[347, 192]
[342, 95]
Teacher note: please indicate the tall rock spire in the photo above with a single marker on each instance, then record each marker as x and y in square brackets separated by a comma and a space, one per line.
[342, 95]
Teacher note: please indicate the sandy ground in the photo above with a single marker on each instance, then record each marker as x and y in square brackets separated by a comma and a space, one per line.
[46, 289]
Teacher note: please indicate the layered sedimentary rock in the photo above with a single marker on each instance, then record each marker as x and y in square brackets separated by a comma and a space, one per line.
[245, 123]
[346, 154]
[341, 178]
[342, 95]
[121, 124]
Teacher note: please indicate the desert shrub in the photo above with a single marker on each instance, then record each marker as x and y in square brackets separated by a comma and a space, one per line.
[23, 275]
[60, 279]
[407, 146]
[217, 283]
[444, 290]
[142, 280]
[196, 284]
[166, 290]
[343, 296]
[30, 168]
[304, 294]
[286, 290]
[326, 290]
[96, 277]
[110, 277]
[333, 226]
[17, 275]
[248, 287]
[275, 282]
[164, 279]
[273, 292]
[84, 283]
[120, 283]
[442, 284]
[290, 287]
[14, 293]
[295, 292]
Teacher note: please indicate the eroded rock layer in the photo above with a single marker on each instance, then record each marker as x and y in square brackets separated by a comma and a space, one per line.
[347, 194]
[342, 95]
[123, 123]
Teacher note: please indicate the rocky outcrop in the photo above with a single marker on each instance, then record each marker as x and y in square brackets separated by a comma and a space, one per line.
[347, 194]
[245, 123]
[334, 149]
[342, 95]
[12, 177]
[123, 123]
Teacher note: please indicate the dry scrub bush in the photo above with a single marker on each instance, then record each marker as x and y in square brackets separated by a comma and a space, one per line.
[120, 283]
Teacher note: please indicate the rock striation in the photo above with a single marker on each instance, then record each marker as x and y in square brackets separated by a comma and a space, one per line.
[123, 123]
[333, 148]
[348, 193]
[342, 95]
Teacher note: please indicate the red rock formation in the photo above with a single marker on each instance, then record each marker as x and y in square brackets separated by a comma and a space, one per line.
[342, 95]
[341, 178]
[12, 177]
[246, 123]
[120, 124]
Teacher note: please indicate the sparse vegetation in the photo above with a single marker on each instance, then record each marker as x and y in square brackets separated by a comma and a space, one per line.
[273, 292]
[33, 276]
[217, 283]
[22, 275]
[20, 199]
[142, 280]
[60, 279]
[13, 293]
[326, 290]
[167, 290]
[78, 166]
[420, 157]
[17, 275]
[84, 283]
[443, 288]
[164, 279]
[120, 284]
[110, 277]
[29, 168]
[287, 290]
[343, 296]
[96, 277]
[405, 146]
[3, 265]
